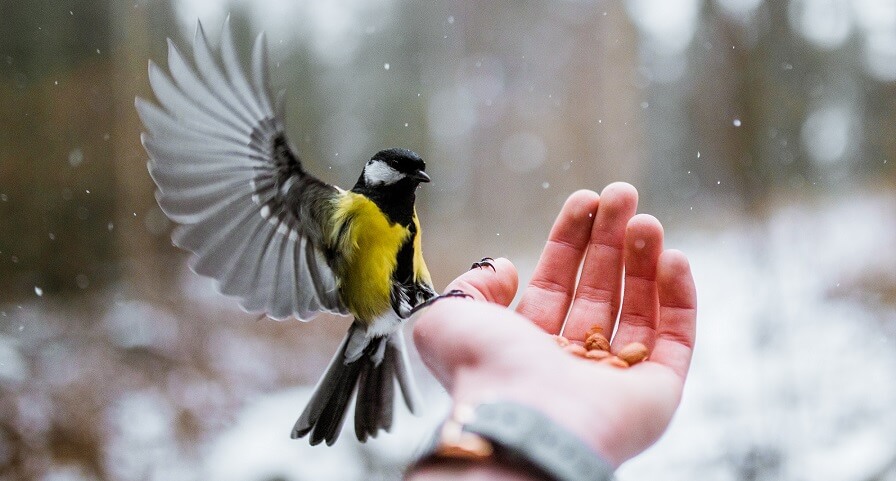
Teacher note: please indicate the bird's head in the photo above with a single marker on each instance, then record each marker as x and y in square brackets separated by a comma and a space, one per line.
[393, 167]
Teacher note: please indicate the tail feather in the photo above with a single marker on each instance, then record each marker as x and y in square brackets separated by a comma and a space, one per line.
[376, 391]
[326, 386]
[329, 424]
[375, 382]
[334, 388]
[386, 392]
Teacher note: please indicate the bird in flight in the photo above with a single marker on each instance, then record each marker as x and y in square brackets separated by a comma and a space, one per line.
[282, 241]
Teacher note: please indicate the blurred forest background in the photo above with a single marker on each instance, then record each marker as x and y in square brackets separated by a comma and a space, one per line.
[762, 133]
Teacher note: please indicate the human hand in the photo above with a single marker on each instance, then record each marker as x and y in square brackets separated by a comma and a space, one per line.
[482, 352]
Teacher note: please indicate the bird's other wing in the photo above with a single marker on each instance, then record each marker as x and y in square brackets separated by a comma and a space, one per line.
[254, 219]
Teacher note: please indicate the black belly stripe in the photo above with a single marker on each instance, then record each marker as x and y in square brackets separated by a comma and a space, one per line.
[403, 275]
[404, 268]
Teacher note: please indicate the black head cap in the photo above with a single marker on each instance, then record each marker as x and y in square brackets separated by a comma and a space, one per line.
[403, 160]
[393, 166]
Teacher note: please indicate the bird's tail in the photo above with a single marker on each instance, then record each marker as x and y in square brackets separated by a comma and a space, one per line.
[381, 360]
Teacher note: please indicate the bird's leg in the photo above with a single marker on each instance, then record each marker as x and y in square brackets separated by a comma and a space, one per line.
[484, 262]
[431, 300]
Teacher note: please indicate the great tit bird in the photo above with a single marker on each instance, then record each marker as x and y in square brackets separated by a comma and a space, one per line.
[282, 241]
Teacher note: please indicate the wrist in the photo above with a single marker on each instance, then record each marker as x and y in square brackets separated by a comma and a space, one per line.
[575, 414]
[515, 440]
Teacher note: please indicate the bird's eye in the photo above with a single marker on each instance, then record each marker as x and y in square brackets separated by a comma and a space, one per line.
[370, 162]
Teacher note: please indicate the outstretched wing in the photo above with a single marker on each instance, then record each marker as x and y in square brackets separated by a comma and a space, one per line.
[254, 219]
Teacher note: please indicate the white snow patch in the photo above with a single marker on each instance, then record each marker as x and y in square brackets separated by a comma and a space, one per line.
[788, 381]
[258, 446]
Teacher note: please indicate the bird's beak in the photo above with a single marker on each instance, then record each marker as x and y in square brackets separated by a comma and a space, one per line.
[420, 176]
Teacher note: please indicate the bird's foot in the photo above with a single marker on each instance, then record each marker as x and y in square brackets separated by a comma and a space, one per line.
[452, 293]
[457, 293]
[484, 262]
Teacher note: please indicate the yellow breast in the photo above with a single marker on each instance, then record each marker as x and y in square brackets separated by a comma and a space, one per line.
[369, 245]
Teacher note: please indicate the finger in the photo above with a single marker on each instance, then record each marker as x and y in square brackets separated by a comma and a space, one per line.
[546, 299]
[677, 324]
[640, 306]
[599, 292]
[484, 284]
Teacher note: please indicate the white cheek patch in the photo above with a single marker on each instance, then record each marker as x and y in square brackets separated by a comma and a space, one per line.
[379, 173]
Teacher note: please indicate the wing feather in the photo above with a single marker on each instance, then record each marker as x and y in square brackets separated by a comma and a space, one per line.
[280, 302]
[199, 236]
[259, 298]
[193, 88]
[323, 279]
[232, 232]
[192, 206]
[184, 131]
[251, 216]
[235, 73]
[183, 107]
[214, 78]
[260, 79]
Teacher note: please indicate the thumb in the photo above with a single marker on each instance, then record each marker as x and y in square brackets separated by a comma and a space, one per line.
[496, 285]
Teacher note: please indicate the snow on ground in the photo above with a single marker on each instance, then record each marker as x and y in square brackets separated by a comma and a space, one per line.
[258, 446]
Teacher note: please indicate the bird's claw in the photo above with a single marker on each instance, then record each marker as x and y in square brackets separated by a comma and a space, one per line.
[484, 262]
[456, 293]
[452, 293]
